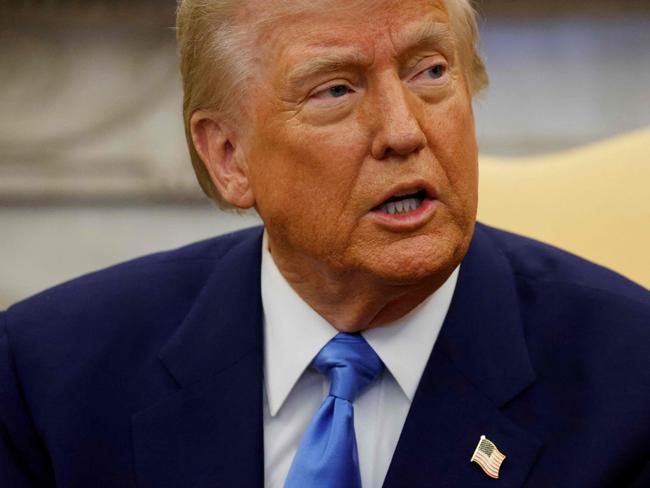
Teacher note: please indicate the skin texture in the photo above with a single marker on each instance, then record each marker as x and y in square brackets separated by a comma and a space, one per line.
[351, 104]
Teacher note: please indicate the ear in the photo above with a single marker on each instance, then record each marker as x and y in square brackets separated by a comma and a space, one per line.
[217, 146]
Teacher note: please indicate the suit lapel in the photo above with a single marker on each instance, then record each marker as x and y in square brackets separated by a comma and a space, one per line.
[209, 432]
[479, 363]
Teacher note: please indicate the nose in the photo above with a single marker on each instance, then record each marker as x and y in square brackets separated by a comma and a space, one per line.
[397, 130]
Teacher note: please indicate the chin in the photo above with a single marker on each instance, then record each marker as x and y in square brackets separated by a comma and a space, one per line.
[417, 260]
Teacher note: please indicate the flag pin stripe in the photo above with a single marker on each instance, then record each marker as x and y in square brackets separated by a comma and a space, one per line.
[488, 457]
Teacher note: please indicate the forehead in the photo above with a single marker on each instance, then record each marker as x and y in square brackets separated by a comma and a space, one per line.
[284, 25]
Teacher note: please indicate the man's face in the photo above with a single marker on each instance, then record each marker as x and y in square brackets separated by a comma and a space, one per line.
[357, 107]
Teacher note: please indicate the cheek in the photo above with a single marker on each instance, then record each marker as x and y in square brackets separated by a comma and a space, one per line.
[305, 172]
[454, 145]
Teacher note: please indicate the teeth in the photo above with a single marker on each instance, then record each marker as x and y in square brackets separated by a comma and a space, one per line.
[413, 203]
[400, 206]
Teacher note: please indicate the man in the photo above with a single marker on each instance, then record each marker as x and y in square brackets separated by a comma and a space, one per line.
[348, 126]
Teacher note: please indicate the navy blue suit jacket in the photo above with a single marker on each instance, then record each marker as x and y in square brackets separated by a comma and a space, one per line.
[149, 374]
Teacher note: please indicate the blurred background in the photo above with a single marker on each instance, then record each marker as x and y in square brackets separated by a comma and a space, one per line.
[93, 163]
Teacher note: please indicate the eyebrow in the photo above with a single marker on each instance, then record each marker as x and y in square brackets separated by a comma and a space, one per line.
[413, 37]
[421, 34]
[335, 60]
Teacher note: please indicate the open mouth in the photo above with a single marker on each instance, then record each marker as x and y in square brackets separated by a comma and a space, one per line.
[402, 203]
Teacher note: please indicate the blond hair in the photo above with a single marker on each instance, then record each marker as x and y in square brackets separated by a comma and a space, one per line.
[215, 52]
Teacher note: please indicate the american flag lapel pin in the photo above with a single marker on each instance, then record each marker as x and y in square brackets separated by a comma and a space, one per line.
[488, 457]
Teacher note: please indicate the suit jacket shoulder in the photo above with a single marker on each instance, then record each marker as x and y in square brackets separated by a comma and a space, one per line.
[587, 330]
[570, 299]
[107, 303]
[545, 354]
[535, 261]
[78, 359]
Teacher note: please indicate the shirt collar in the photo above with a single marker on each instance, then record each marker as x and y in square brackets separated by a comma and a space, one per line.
[405, 345]
[294, 333]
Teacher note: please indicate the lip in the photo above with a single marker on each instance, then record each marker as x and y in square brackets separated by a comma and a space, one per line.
[408, 187]
[408, 221]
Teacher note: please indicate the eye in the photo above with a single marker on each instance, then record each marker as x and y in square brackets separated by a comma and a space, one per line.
[436, 71]
[333, 91]
[435, 74]
[338, 90]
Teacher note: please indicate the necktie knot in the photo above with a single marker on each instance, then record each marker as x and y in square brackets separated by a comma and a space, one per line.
[350, 363]
[328, 454]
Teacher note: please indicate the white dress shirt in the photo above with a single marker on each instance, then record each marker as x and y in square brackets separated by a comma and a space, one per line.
[294, 333]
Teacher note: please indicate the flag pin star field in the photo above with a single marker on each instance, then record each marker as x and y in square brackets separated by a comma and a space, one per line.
[488, 457]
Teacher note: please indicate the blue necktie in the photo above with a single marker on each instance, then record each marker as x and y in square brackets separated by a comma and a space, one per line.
[327, 456]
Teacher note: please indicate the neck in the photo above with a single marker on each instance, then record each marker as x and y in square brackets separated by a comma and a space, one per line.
[352, 300]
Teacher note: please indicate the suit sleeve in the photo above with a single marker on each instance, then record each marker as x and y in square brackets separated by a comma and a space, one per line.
[23, 460]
